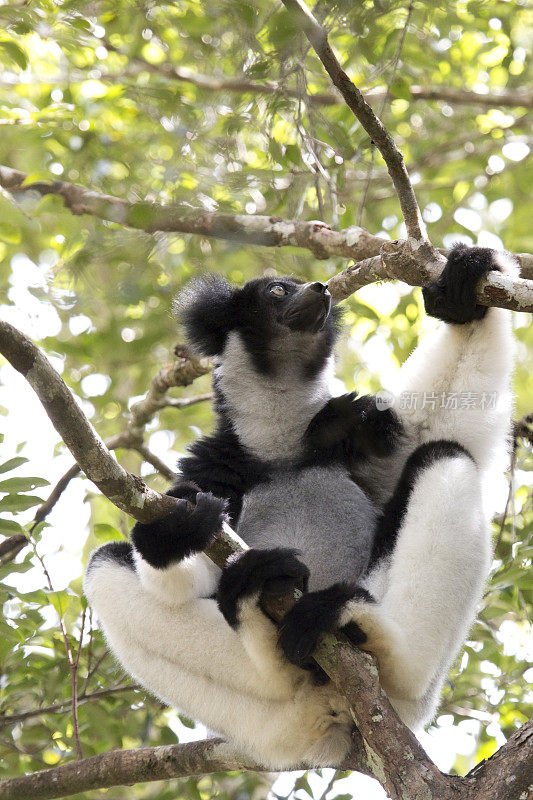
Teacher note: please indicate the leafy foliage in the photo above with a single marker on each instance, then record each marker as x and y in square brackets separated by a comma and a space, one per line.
[91, 95]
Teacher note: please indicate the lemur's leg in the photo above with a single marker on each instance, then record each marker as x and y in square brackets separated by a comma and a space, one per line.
[435, 548]
[186, 654]
[245, 577]
[456, 384]
[164, 563]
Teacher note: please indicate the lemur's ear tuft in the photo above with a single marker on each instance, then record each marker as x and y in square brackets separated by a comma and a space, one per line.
[204, 308]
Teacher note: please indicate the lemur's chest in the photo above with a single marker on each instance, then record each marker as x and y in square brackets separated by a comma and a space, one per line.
[270, 413]
[317, 510]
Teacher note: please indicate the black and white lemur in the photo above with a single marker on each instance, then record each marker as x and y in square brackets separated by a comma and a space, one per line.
[381, 517]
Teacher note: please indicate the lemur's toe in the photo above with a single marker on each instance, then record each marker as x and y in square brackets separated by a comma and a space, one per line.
[254, 572]
[314, 614]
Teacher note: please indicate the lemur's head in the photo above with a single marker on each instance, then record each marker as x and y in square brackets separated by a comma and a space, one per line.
[274, 318]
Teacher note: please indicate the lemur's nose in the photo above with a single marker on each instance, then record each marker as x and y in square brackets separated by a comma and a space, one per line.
[319, 288]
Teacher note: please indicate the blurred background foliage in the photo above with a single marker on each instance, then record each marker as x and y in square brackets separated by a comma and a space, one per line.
[120, 97]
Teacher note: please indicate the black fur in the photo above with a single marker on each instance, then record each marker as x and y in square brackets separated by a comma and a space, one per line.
[314, 614]
[451, 297]
[205, 310]
[210, 309]
[186, 530]
[219, 464]
[351, 427]
[395, 509]
[121, 552]
[274, 571]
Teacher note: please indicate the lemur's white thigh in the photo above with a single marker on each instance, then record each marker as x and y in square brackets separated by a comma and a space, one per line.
[434, 582]
[189, 657]
[193, 635]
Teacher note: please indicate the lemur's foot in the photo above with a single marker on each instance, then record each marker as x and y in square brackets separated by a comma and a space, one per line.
[256, 572]
[451, 297]
[355, 422]
[186, 530]
[317, 613]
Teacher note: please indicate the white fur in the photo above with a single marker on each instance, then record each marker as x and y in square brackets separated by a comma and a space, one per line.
[271, 425]
[171, 637]
[188, 656]
[429, 590]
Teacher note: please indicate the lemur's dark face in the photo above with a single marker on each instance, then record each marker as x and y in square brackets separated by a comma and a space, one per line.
[284, 303]
[271, 315]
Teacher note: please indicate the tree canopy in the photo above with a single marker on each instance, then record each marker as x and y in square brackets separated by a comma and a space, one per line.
[225, 108]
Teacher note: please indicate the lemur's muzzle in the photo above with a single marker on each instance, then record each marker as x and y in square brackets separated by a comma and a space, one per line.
[309, 308]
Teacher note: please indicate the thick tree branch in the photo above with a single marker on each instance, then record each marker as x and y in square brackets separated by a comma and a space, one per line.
[508, 774]
[395, 262]
[182, 372]
[317, 237]
[243, 228]
[126, 491]
[126, 767]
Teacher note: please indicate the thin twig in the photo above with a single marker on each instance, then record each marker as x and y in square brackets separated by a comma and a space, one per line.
[66, 705]
[156, 462]
[379, 135]
[383, 103]
[329, 787]
[72, 665]
[508, 501]
[74, 681]
[92, 669]
[242, 85]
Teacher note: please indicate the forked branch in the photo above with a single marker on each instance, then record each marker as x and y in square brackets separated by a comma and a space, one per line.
[383, 746]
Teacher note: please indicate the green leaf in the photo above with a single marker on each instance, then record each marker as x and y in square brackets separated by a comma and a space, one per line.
[60, 601]
[14, 52]
[400, 88]
[13, 463]
[19, 502]
[22, 484]
[8, 527]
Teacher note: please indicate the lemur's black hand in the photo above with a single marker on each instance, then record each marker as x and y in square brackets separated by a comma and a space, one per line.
[274, 571]
[350, 423]
[451, 297]
[186, 530]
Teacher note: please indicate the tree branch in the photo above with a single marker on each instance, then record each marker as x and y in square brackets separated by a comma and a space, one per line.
[379, 135]
[66, 705]
[396, 262]
[317, 237]
[126, 767]
[508, 774]
[243, 85]
[181, 372]
[126, 491]
[383, 746]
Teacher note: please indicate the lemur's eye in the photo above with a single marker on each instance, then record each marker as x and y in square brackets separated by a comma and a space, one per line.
[277, 290]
